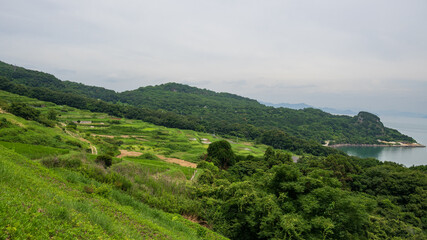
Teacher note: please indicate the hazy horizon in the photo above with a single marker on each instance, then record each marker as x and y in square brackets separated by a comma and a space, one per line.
[358, 55]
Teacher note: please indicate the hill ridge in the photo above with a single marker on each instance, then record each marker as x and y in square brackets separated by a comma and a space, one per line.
[206, 110]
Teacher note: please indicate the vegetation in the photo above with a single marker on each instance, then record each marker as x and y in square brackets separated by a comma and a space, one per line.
[334, 197]
[85, 200]
[93, 175]
[185, 107]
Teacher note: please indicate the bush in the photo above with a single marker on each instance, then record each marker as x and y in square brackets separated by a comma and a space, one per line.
[24, 111]
[72, 125]
[72, 162]
[67, 162]
[149, 156]
[89, 189]
[206, 177]
[4, 123]
[46, 122]
[208, 165]
[73, 143]
[51, 162]
[105, 160]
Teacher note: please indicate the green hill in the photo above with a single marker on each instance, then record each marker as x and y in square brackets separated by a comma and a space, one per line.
[218, 110]
[51, 187]
[61, 177]
[201, 109]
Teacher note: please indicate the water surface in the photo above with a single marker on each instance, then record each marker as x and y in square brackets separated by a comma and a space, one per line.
[414, 127]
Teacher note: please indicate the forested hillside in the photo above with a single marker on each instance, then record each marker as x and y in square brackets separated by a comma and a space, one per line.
[67, 173]
[204, 110]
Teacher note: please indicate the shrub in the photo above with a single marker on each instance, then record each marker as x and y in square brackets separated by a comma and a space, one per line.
[149, 156]
[51, 115]
[103, 190]
[105, 160]
[46, 122]
[51, 162]
[72, 125]
[67, 161]
[24, 111]
[208, 165]
[88, 189]
[4, 123]
[72, 162]
[206, 177]
[73, 143]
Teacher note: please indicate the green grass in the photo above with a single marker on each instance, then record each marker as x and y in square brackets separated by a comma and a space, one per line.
[38, 203]
[33, 133]
[33, 151]
[159, 166]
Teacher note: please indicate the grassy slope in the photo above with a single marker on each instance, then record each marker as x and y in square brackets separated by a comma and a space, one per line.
[135, 134]
[39, 202]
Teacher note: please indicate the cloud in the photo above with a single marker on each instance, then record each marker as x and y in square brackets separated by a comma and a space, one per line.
[352, 53]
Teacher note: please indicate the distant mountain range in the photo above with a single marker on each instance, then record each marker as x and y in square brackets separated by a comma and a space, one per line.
[348, 112]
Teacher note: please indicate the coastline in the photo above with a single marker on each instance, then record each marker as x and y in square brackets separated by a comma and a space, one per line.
[408, 145]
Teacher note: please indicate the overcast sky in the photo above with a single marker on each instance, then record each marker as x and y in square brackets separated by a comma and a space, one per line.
[361, 55]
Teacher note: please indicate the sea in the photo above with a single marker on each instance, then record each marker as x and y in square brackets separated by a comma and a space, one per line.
[413, 127]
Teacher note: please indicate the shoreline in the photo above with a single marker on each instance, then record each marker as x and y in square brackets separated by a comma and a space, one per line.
[411, 145]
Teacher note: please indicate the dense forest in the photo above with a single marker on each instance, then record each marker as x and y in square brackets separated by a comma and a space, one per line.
[204, 110]
[333, 197]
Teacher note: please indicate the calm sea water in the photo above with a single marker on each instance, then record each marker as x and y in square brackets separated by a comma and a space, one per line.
[414, 127]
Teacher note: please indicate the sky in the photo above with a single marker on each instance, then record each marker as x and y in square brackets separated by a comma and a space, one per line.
[359, 55]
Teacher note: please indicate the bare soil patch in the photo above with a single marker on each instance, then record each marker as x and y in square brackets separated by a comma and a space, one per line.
[178, 161]
[125, 153]
[141, 139]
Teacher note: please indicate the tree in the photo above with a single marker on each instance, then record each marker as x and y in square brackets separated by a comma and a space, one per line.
[221, 154]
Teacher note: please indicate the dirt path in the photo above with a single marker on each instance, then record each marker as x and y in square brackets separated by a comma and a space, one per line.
[194, 174]
[126, 153]
[92, 147]
[178, 161]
